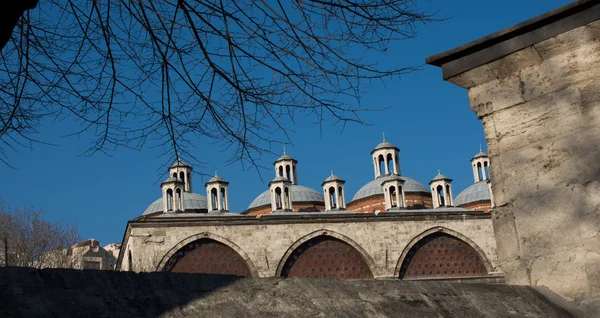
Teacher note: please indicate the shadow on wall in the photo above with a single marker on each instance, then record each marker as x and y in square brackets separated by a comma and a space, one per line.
[26, 292]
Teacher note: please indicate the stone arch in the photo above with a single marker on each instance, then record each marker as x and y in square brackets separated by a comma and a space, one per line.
[206, 235]
[324, 232]
[439, 229]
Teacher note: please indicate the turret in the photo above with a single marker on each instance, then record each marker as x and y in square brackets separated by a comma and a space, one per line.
[481, 164]
[182, 171]
[333, 190]
[393, 191]
[386, 159]
[173, 195]
[285, 167]
[281, 194]
[441, 191]
[217, 194]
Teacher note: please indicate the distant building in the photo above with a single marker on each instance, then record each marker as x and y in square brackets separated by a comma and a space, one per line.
[83, 255]
[394, 226]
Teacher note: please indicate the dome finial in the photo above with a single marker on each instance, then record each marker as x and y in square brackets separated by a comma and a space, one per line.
[439, 171]
[216, 174]
[284, 150]
[480, 149]
[383, 133]
[332, 173]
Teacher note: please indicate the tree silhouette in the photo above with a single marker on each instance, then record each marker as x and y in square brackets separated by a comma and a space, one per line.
[166, 72]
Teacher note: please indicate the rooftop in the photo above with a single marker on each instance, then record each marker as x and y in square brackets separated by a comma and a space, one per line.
[504, 42]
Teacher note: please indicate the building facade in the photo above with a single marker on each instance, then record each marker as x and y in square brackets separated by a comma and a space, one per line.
[394, 227]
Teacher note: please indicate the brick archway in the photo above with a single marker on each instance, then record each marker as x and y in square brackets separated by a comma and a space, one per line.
[208, 254]
[325, 254]
[441, 253]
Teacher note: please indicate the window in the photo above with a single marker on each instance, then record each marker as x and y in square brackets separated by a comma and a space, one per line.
[332, 200]
[223, 206]
[278, 202]
[287, 198]
[392, 194]
[179, 200]
[381, 165]
[169, 199]
[440, 195]
[214, 199]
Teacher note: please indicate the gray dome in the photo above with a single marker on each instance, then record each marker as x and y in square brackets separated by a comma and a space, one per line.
[480, 191]
[333, 178]
[191, 201]
[440, 177]
[216, 179]
[384, 144]
[180, 164]
[480, 154]
[374, 187]
[299, 194]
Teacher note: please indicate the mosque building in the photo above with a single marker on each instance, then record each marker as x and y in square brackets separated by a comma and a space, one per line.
[394, 227]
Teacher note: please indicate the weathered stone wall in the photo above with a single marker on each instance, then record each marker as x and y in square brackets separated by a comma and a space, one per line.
[69, 293]
[540, 108]
[263, 242]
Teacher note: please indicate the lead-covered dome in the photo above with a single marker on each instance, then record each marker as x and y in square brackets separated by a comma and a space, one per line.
[299, 194]
[374, 187]
[480, 191]
[191, 201]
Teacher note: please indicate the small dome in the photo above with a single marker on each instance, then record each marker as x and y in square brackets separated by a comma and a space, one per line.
[180, 164]
[440, 177]
[216, 179]
[383, 145]
[299, 194]
[191, 201]
[333, 178]
[279, 178]
[285, 157]
[480, 191]
[374, 187]
[480, 154]
[171, 179]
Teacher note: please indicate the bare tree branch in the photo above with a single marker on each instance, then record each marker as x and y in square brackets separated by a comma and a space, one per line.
[166, 73]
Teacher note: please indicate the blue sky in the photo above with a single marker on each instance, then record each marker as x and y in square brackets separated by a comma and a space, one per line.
[428, 119]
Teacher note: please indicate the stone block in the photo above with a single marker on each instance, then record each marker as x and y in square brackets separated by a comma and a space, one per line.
[506, 234]
[515, 62]
[561, 272]
[561, 71]
[568, 41]
[495, 95]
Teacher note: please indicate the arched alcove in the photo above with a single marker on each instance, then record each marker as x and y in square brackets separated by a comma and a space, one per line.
[439, 254]
[207, 256]
[325, 256]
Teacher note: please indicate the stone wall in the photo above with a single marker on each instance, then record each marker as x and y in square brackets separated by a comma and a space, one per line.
[536, 89]
[69, 293]
[383, 239]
